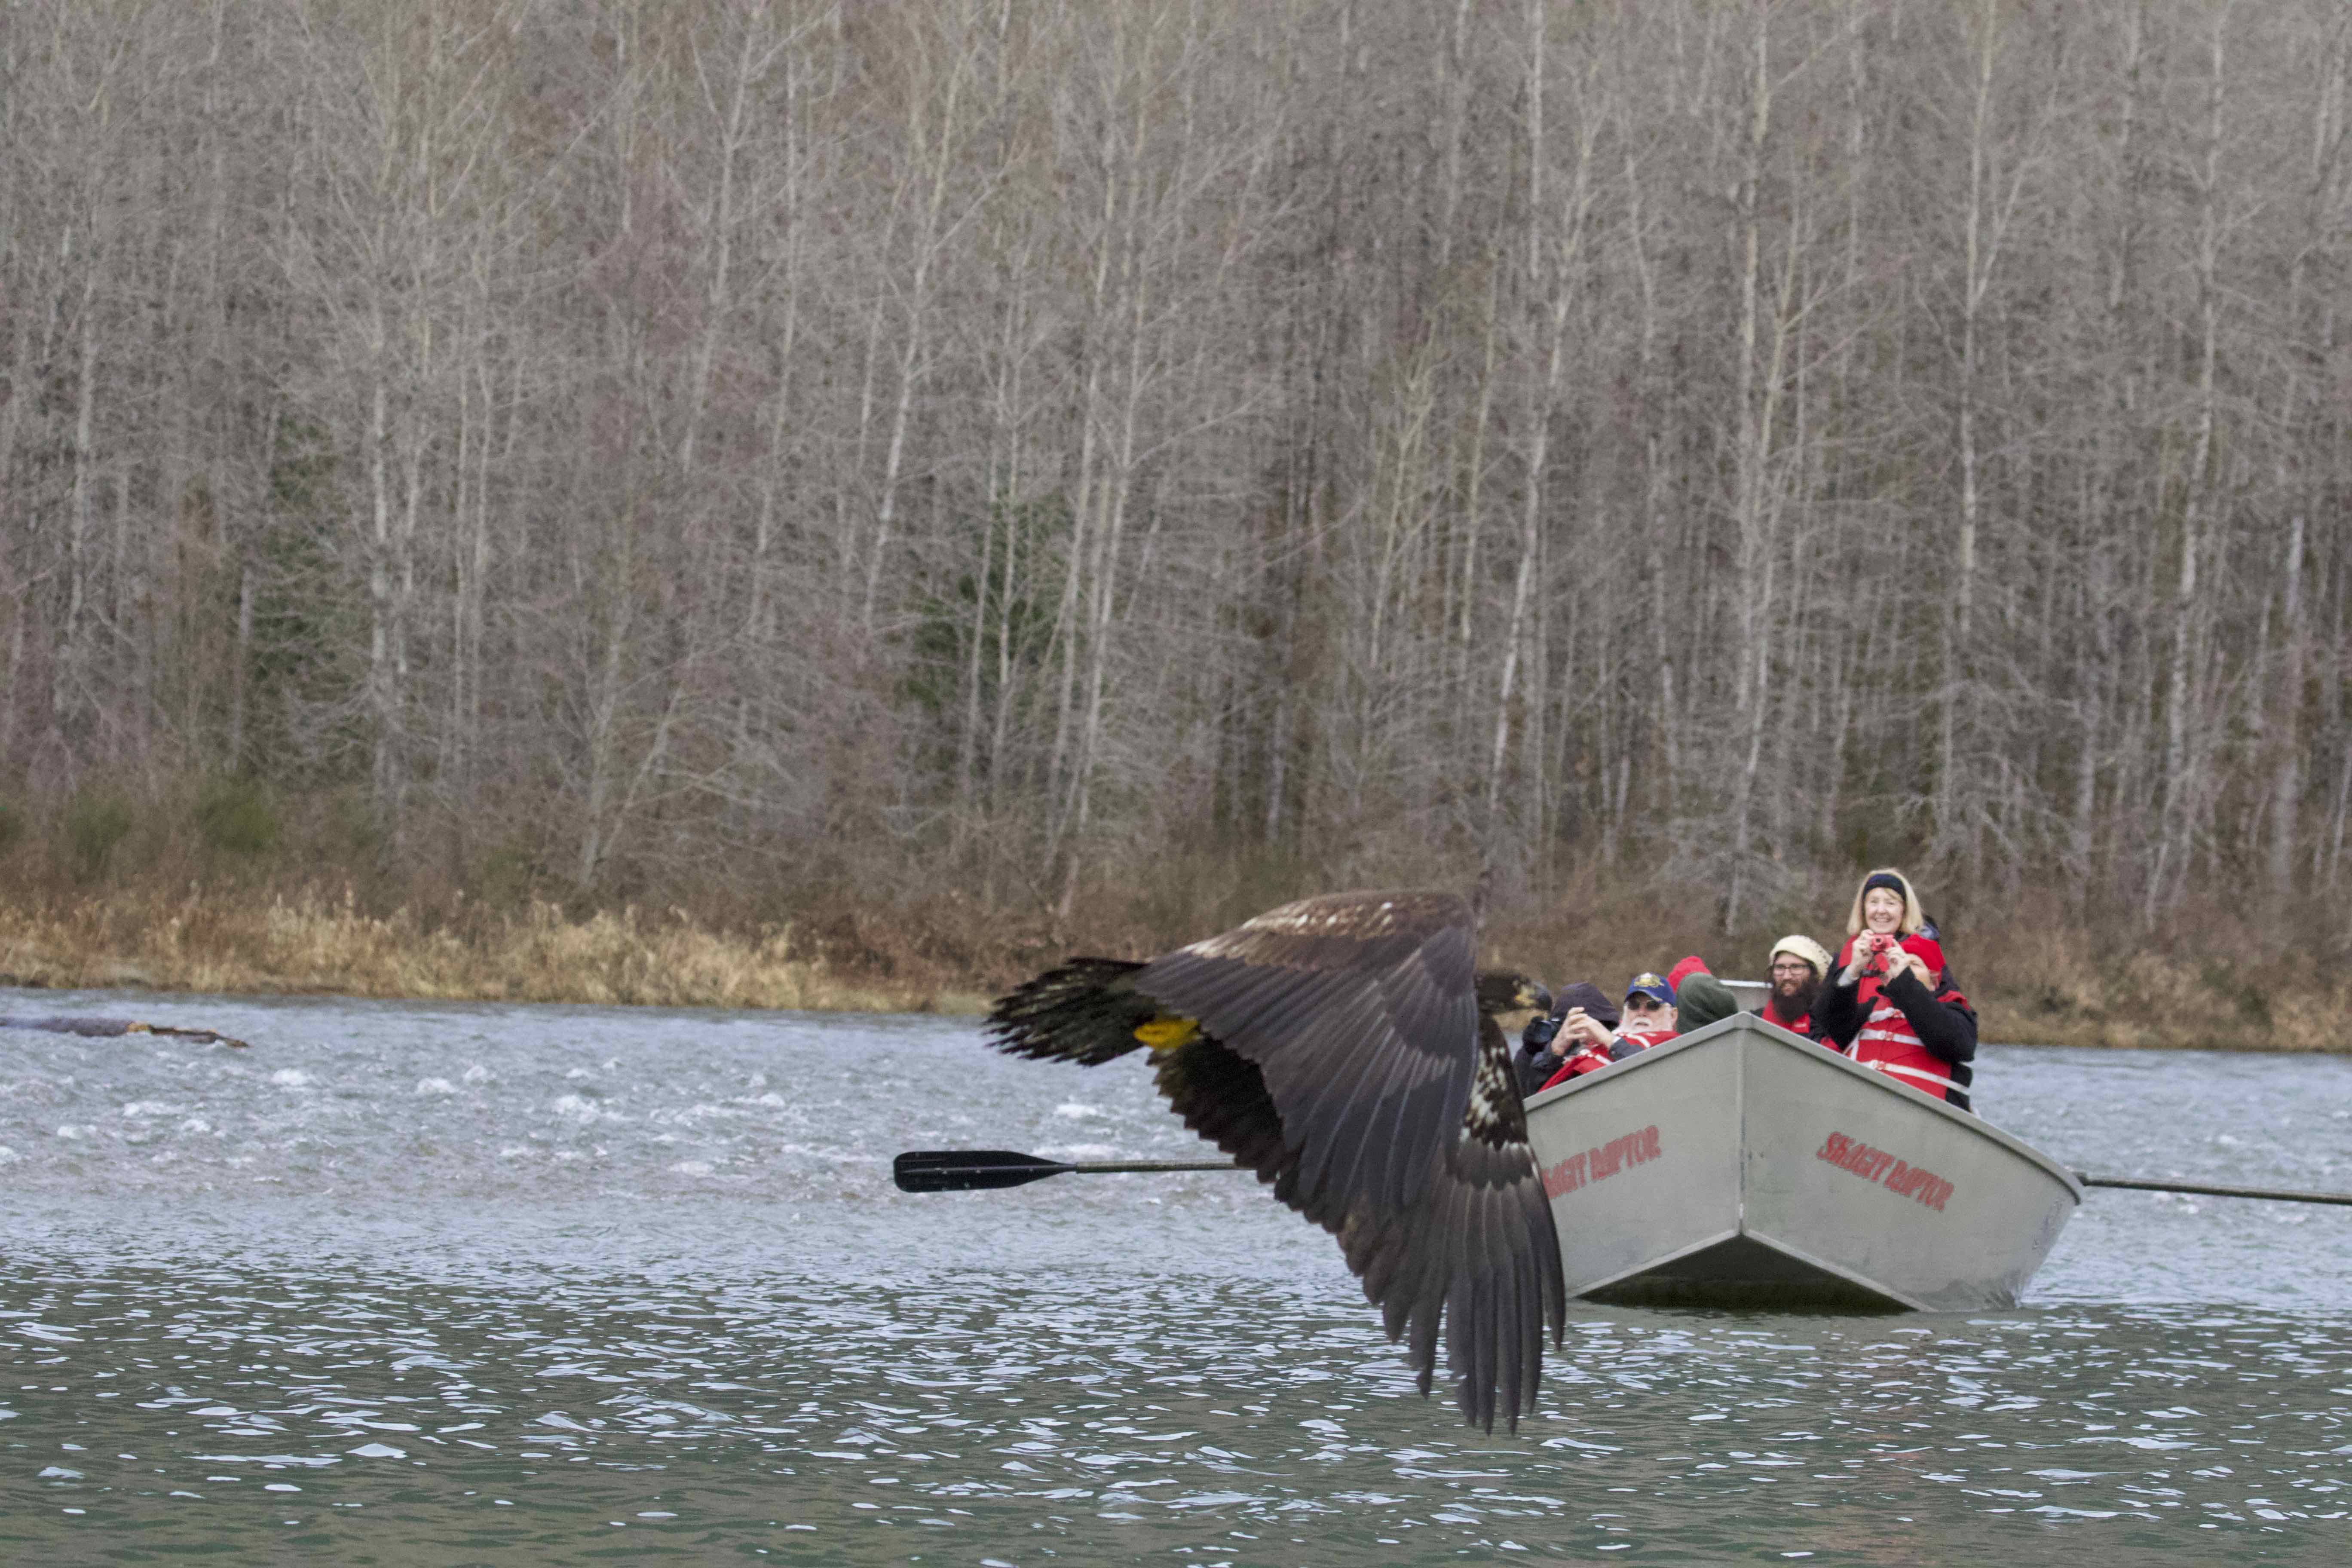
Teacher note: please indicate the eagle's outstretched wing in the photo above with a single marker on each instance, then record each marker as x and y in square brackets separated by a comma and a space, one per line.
[1336, 1046]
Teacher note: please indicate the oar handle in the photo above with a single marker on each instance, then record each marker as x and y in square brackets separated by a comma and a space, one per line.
[2206, 1189]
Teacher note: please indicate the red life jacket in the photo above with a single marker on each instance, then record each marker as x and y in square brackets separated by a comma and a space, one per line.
[1800, 1025]
[1584, 1061]
[1865, 990]
[1592, 1058]
[1888, 1044]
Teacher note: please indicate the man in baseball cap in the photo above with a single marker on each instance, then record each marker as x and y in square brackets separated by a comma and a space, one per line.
[1798, 966]
[1649, 1017]
[1589, 1045]
[1656, 987]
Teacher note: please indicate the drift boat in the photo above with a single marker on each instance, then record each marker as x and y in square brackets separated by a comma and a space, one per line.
[1742, 1165]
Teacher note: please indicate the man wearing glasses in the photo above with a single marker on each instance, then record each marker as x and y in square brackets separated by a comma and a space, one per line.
[1799, 962]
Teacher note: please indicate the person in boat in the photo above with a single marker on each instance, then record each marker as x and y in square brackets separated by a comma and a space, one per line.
[1798, 964]
[1647, 1019]
[1701, 999]
[1890, 1006]
[1541, 1048]
[1928, 928]
[1689, 965]
[1653, 1014]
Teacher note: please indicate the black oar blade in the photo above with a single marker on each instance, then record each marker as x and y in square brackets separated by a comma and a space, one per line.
[968, 1170]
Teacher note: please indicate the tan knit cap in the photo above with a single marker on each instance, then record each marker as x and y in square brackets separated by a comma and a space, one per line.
[1804, 947]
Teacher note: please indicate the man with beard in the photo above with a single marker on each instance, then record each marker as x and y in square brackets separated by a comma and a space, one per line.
[1799, 964]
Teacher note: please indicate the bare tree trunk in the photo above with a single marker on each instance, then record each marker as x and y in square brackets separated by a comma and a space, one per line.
[1756, 414]
[72, 673]
[1472, 483]
[937, 162]
[967, 746]
[1537, 415]
[1138, 262]
[1953, 799]
[2298, 423]
[2175, 820]
[382, 684]
[1650, 414]
[239, 671]
[1988, 213]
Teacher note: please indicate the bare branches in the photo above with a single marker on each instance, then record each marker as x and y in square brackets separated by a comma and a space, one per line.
[1006, 444]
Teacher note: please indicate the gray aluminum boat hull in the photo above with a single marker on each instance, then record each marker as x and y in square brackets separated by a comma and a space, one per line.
[1742, 1165]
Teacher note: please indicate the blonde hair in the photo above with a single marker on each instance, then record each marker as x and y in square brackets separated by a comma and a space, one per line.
[1913, 918]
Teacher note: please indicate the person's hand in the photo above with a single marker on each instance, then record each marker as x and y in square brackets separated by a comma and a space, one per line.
[1586, 1030]
[1901, 963]
[1538, 1036]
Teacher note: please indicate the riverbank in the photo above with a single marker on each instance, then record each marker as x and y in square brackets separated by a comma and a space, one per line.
[314, 942]
[2032, 981]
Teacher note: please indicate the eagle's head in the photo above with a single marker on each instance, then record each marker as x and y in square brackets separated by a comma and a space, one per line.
[1511, 999]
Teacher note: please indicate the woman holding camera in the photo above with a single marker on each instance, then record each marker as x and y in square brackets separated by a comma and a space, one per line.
[1889, 1005]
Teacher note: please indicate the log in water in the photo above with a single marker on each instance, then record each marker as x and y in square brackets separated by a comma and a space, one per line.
[488, 1283]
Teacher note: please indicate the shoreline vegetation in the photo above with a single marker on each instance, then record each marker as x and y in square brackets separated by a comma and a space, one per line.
[844, 505]
[2035, 978]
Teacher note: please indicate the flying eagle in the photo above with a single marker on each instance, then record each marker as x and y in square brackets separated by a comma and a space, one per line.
[1344, 1049]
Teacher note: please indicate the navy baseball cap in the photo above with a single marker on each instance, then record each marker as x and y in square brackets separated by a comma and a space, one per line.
[1653, 986]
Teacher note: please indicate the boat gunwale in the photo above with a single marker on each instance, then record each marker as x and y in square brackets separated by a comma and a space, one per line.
[1754, 1024]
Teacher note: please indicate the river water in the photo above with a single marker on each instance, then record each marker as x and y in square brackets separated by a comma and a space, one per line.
[522, 1284]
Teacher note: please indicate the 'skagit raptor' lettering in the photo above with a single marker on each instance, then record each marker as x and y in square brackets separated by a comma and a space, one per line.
[1881, 1169]
[1599, 1164]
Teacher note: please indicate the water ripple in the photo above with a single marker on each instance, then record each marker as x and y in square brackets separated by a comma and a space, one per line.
[447, 1284]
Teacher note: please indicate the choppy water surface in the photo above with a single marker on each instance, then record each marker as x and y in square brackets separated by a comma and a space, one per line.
[527, 1284]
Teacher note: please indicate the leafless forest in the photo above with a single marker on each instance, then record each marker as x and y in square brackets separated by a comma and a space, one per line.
[1020, 447]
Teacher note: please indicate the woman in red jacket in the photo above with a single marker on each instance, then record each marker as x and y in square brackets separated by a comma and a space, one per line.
[1889, 1005]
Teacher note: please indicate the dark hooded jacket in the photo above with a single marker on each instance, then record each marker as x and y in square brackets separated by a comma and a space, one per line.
[1536, 1062]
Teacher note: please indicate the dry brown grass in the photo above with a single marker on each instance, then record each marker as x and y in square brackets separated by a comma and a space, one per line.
[2034, 976]
[2204, 986]
[313, 942]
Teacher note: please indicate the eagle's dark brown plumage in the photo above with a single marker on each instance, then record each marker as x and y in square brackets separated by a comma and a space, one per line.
[1344, 1049]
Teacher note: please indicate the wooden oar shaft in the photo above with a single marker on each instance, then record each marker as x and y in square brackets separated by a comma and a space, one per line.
[2206, 1189]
